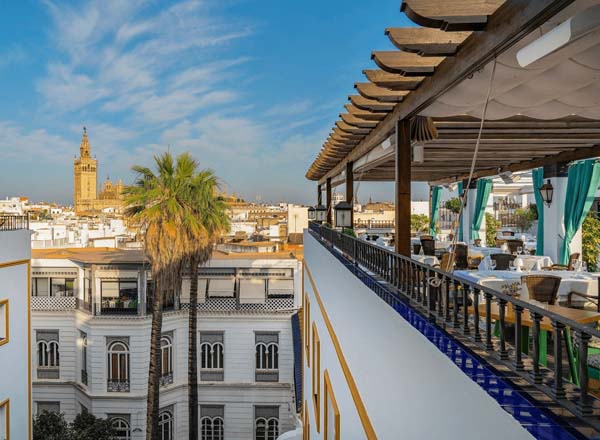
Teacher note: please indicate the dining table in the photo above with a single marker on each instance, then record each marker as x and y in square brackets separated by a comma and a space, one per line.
[430, 260]
[530, 262]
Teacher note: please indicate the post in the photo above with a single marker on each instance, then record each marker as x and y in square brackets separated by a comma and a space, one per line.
[319, 195]
[403, 195]
[329, 207]
[350, 189]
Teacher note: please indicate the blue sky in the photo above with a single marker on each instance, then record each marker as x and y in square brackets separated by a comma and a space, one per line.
[250, 87]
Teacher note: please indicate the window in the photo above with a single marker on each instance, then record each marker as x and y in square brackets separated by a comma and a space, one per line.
[4, 324]
[267, 357]
[266, 422]
[316, 375]
[307, 329]
[51, 407]
[5, 420]
[121, 427]
[118, 366]
[48, 354]
[165, 425]
[40, 287]
[120, 296]
[84, 345]
[166, 363]
[211, 356]
[212, 422]
[332, 412]
[62, 286]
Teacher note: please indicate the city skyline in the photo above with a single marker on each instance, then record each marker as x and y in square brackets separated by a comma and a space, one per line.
[202, 77]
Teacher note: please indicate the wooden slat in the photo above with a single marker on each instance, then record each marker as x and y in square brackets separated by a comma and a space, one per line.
[370, 104]
[451, 15]
[363, 114]
[392, 81]
[350, 129]
[357, 122]
[425, 41]
[405, 63]
[371, 91]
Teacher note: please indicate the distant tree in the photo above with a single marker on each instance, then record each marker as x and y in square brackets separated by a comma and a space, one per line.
[51, 426]
[453, 205]
[524, 217]
[419, 222]
[590, 238]
[491, 227]
[86, 426]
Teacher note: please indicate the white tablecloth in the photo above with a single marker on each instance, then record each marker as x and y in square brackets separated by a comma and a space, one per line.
[426, 259]
[481, 252]
[581, 282]
[530, 262]
[439, 244]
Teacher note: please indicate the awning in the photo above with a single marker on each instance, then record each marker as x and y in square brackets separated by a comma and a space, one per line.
[281, 287]
[252, 291]
[224, 287]
[185, 289]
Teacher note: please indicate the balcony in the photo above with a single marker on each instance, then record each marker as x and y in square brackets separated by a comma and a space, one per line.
[119, 307]
[166, 379]
[268, 305]
[426, 316]
[117, 385]
[14, 222]
[53, 303]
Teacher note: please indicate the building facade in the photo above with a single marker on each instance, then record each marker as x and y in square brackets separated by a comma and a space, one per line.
[91, 336]
[86, 198]
[15, 389]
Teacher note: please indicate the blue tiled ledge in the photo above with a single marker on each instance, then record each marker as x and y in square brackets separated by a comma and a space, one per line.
[540, 422]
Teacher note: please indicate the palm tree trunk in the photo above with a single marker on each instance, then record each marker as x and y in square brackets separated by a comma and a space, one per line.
[193, 352]
[155, 360]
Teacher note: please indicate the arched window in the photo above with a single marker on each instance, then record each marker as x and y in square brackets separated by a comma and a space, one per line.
[267, 429]
[166, 352]
[122, 429]
[48, 354]
[267, 356]
[211, 428]
[211, 355]
[165, 425]
[118, 367]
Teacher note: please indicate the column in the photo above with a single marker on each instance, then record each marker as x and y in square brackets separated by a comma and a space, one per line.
[319, 195]
[350, 189]
[403, 193]
[329, 207]
[469, 209]
[554, 229]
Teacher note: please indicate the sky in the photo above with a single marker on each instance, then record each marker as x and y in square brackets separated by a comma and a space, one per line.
[250, 88]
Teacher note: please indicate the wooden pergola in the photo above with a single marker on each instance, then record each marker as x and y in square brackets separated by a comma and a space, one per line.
[430, 94]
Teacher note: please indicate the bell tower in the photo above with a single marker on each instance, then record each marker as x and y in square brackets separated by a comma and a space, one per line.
[85, 173]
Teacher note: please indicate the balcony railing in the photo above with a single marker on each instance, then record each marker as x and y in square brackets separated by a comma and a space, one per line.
[374, 224]
[120, 307]
[441, 297]
[14, 222]
[117, 385]
[58, 303]
[270, 305]
[166, 379]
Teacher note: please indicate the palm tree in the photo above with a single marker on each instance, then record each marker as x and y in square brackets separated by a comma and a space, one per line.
[213, 217]
[160, 203]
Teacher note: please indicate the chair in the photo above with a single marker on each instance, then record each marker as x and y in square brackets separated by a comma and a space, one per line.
[543, 288]
[462, 256]
[428, 245]
[513, 245]
[570, 266]
[502, 260]
[474, 263]
[444, 263]
[416, 249]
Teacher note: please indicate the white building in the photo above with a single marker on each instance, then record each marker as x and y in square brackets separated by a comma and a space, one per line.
[13, 205]
[15, 390]
[297, 219]
[89, 308]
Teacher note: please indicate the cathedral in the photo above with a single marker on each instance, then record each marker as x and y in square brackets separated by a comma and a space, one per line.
[87, 199]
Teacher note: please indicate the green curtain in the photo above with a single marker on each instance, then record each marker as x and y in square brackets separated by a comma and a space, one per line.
[435, 202]
[460, 189]
[582, 184]
[484, 188]
[538, 181]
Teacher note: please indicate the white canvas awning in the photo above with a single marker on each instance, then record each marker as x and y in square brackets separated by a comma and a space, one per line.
[281, 287]
[221, 287]
[185, 289]
[252, 290]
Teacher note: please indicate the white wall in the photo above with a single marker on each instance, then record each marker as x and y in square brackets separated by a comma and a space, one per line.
[14, 380]
[409, 388]
[297, 219]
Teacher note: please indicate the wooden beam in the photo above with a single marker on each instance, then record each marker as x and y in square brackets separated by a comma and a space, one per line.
[357, 122]
[350, 129]
[364, 114]
[319, 195]
[370, 104]
[392, 81]
[350, 188]
[403, 181]
[451, 15]
[371, 91]
[405, 63]
[425, 41]
[508, 25]
[329, 201]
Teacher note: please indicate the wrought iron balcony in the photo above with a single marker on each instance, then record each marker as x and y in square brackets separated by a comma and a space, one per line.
[166, 379]
[84, 377]
[14, 222]
[468, 312]
[117, 385]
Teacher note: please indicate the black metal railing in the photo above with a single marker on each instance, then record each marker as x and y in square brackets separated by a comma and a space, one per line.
[117, 385]
[114, 310]
[166, 379]
[84, 377]
[374, 224]
[14, 222]
[442, 297]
